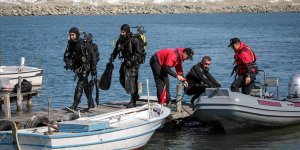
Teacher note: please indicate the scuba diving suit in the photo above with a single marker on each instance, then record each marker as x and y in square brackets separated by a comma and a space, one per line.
[81, 58]
[128, 48]
[246, 66]
[198, 79]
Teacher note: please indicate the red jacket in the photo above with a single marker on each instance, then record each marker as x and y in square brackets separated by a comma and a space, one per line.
[244, 59]
[168, 57]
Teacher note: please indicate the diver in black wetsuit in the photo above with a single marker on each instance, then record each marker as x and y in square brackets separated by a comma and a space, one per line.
[129, 47]
[199, 78]
[81, 56]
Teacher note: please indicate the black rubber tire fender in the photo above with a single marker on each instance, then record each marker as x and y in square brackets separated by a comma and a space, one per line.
[5, 125]
[70, 116]
[36, 121]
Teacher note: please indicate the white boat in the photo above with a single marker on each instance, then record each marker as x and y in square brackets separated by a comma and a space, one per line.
[236, 110]
[31, 74]
[124, 129]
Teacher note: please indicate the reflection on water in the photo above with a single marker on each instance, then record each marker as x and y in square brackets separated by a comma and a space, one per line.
[197, 136]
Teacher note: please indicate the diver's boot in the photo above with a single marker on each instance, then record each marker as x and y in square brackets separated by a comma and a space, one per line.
[134, 103]
[89, 97]
[128, 105]
[134, 98]
[77, 97]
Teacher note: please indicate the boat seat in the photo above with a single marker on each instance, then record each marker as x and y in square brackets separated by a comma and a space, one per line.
[256, 92]
[271, 82]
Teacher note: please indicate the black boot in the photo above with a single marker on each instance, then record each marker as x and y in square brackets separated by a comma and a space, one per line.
[89, 97]
[77, 97]
[134, 98]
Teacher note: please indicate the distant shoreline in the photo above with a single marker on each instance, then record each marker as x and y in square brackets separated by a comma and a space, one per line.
[61, 10]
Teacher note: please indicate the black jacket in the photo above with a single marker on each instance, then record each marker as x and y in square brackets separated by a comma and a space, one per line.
[130, 48]
[198, 77]
[80, 54]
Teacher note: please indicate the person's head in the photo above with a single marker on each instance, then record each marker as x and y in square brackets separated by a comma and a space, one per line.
[74, 34]
[205, 62]
[125, 29]
[234, 44]
[187, 54]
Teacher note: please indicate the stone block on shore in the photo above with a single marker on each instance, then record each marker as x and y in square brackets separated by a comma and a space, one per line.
[46, 10]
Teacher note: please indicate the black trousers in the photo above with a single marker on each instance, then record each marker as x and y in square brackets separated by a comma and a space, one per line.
[196, 90]
[135, 96]
[240, 82]
[161, 78]
[82, 84]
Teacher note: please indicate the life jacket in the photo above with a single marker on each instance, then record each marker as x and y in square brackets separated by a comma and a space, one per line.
[245, 61]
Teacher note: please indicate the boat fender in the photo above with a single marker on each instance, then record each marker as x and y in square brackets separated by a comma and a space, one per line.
[70, 116]
[5, 125]
[36, 121]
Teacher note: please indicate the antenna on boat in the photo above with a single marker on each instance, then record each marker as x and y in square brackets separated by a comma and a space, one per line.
[148, 98]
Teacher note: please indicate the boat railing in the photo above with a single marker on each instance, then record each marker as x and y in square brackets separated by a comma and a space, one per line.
[265, 83]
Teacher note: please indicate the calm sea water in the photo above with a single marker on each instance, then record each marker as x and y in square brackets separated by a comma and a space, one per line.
[275, 38]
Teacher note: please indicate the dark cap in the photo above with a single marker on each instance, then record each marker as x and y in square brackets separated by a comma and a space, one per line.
[189, 53]
[233, 41]
[74, 30]
[126, 28]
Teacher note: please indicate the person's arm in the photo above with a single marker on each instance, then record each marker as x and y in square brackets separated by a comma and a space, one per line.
[178, 69]
[170, 71]
[247, 59]
[94, 54]
[212, 80]
[116, 51]
[202, 77]
[68, 58]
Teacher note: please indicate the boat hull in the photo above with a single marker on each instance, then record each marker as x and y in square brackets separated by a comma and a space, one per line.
[233, 110]
[31, 74]
[120, 135]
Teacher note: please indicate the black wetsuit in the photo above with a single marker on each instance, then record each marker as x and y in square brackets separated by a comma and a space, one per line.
[82, 59]
[130, 49]
[198, 79]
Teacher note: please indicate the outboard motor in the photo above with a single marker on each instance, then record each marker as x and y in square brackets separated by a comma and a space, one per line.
[294, 87]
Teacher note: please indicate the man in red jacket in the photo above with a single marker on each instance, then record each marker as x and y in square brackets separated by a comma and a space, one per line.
[245, 66]
[162, 62]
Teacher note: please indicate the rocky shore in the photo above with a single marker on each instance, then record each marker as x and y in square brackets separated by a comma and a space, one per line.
[47, 10]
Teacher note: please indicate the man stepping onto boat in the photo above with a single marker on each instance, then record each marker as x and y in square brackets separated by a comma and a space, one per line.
[245, 66]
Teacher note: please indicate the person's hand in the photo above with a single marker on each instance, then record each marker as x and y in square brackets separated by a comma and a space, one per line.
[185, 84]
[111, 59]
[128, 64]
[94, 77]
[94, 73]
[247, 80]
[69, 65]
[180, 78]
